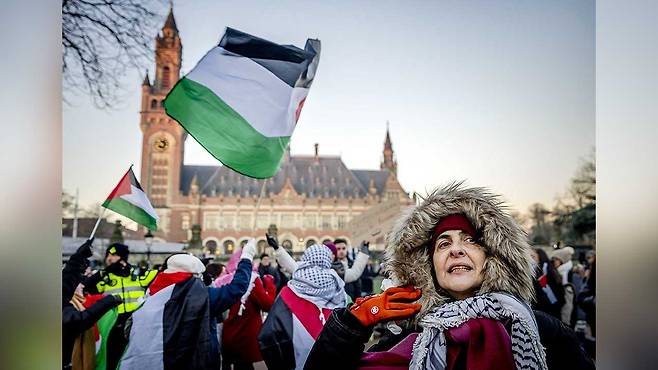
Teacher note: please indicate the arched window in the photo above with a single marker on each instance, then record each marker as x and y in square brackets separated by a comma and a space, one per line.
[212, 246]
[261, 245]
[165, 77]
[310, 242]
[228, 247]
[154, 104]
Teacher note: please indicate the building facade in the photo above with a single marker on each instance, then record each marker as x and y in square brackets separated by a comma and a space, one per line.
[311, 199]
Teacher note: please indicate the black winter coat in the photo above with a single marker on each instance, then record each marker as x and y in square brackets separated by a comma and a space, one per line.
[75, 322]
[342, 341]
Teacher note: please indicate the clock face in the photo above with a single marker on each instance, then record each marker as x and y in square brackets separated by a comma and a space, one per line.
[161, 144]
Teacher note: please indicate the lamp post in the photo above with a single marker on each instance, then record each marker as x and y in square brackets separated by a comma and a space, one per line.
[148, 239]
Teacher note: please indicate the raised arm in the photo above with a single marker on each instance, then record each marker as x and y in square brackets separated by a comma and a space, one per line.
[281, 255]
[354, 273]
[224, 297]
[264, 292]
[79, 321]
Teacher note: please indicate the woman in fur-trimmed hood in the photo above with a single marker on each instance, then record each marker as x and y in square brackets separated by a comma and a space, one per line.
[508, 265]
[463, 275]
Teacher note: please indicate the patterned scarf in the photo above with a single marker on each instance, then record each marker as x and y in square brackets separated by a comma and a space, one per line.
[315, 280]
[430, 346]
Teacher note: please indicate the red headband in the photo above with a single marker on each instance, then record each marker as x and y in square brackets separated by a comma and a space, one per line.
[455, 221]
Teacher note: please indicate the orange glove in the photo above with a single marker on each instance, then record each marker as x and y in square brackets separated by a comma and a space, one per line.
[392, 304]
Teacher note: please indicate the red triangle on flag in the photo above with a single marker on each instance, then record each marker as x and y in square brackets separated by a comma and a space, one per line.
[543, 280]
[122, 188]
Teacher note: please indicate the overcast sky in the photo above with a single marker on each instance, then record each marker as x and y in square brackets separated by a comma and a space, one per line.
[500, 94]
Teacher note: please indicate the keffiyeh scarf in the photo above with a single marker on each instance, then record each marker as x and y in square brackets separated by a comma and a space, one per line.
[315, 280]
[430, 347]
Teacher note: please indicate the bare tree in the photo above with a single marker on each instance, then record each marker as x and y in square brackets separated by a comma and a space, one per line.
[92, 211]
[102, 39]
[68, 202]
[583, 184]
[540, 231]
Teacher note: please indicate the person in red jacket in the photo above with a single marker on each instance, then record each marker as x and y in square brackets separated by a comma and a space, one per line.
[244, 321]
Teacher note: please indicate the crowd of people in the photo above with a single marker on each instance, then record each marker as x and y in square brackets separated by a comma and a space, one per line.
[463, 290]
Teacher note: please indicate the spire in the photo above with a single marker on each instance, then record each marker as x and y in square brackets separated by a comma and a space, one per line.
[146, 82]
[387, 142]
[171, 22]
[194, 186]
[389, 163]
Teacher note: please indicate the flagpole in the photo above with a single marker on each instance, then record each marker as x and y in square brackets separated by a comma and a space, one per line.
[93, 232]
[260, 198]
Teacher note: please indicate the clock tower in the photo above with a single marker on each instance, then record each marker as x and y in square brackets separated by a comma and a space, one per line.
[163, 138]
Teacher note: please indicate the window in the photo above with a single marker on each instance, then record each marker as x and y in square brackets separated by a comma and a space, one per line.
[310, 222]
[287, 244]
[245, 222]
[326, 222]
[261, 245]
[211, 221]
[341, 221]
[211, 245]
[288, 220]
[154, 104]
[228, 247]
[185, 221]
[310, 242]
[262, 221]
[165, 77]
[227, 220]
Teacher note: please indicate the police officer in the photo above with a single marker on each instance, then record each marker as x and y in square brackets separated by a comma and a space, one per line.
[122, 279]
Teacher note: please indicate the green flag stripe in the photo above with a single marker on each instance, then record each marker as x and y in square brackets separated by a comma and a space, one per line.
[105, 324]
[223, 132]
[131, 211]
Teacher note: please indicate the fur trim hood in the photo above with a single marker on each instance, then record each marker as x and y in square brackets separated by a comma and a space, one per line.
[508, 266]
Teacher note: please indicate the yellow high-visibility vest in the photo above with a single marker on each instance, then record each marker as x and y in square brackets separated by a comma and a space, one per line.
[131, 288]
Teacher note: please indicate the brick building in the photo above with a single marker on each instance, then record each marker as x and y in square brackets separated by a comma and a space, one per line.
[312, 198]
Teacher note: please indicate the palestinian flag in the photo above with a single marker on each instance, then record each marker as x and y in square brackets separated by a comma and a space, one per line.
[171, 330]
[128, 199]
[243, 99]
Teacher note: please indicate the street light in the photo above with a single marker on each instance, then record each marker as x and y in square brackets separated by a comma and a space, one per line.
[148, 239]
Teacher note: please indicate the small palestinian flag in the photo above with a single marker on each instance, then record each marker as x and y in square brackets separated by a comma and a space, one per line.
[243, 99]
[104, 326]
[128, 199]
[101, 330]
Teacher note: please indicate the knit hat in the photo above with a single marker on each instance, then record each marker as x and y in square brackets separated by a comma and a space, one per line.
[455, 221]
[118, 249]
[331, 247]
[565, 254]
[184, 263]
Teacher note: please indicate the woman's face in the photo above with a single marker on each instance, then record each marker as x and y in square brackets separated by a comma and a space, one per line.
[458, 263]
[535, 256]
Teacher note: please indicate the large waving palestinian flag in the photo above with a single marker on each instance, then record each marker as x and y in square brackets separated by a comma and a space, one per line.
[243, 99]
[128, 199]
